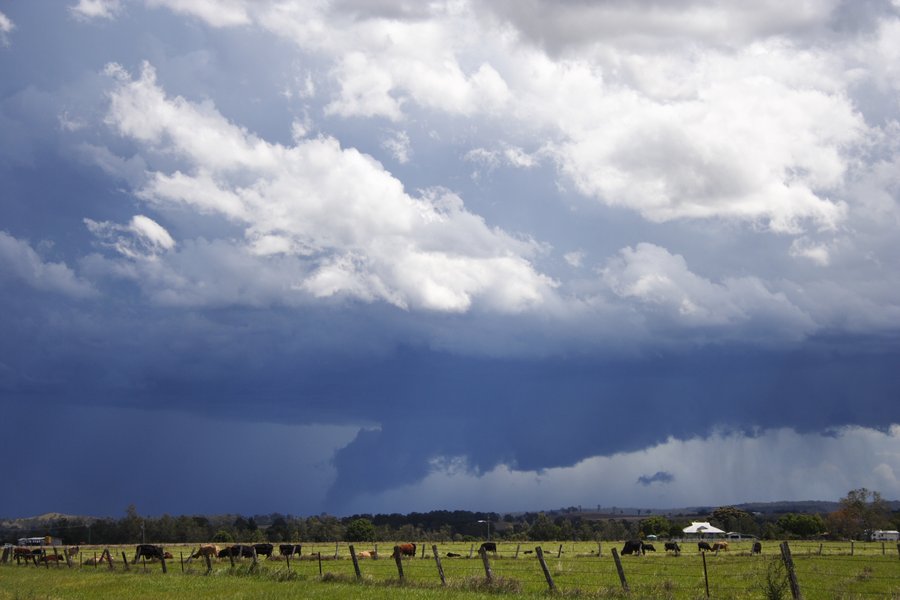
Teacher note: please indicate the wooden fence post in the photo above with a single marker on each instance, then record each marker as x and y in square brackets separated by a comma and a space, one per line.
[319, 554]
[517, 550]
[820, 549]
[559, 553]
[540, 555]
[705, 574]
[355, 562]
[162, 559]
[399, 562]
[851, 547]
[254, 565]
[181, 560]
[125, 560]
[489, 575]
[471, 550]
[898, 550]
[108, 558]
[67, 557]
[882, 549]
[599, 550]
[231, 557]
[209, 563]
[437, 560]
[615, 553]
[792, 575]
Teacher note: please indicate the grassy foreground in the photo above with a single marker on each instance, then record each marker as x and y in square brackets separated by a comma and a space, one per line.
[831, 571]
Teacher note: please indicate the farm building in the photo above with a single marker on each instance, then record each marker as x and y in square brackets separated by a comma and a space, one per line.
[889, 535]
[701, 529]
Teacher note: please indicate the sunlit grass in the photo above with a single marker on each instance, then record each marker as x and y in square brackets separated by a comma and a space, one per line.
[577, 571]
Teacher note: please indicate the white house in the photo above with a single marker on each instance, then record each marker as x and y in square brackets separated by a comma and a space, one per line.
[702, 528]
[889, 535]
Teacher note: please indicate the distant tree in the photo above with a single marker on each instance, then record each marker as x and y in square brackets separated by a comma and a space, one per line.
[360, 530]
[730, 518]
[655, 525]
[803, 526]
[223, 536]
[861, 510]
[543, 529]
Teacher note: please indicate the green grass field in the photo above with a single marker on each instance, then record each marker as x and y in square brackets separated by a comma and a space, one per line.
[865, 571]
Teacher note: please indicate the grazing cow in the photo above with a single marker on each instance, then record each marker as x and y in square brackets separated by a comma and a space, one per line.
[366, 554]
[673, 546]
[237, 550]
[290, 549]
[633, 547]
[720, 546]
[757, 548]
[701, 546]
[453, 554]
[488, 547]
[264, 549]
[51, 558]
[72, 551]
[149, 551]
[645, 548]
[404, 550]
[527, 551]
[209, 550]
[21, 552]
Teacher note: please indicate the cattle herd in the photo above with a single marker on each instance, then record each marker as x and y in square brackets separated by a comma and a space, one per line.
[153, 552]
[640, 547]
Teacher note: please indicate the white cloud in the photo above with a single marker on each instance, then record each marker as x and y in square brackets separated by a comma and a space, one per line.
[6, 26]
[141, 238]
[574, 259]
[399, 146]
[805, 248]
[20, 263]
[218, 13]
[778, 464]
[741, 124]
[661, 283]
[353, 224]
[86, 10]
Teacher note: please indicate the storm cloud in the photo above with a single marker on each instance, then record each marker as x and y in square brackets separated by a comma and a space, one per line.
[427, 249]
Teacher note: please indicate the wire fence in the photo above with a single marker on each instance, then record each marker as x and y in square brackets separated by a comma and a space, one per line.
[821, 570]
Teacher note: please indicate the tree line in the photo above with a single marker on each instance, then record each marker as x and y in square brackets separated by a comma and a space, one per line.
[858, 513]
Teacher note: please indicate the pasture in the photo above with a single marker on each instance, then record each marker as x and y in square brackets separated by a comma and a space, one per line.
[580, 569]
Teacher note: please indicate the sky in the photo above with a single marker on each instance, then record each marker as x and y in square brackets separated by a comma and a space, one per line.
[379, 256]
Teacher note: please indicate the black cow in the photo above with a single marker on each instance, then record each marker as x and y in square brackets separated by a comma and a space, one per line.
[264, 550]
[453, 555]
[488, 547]
[673, 546]
[701, 546]
[148, 551]
[290, 549]
[645, 548]
[757, 548]
[237, 550]
[633, 547]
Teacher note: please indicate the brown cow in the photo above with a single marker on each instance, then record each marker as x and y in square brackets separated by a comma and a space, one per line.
[210, 550]
[720, 546]
[404, 550]
[366, 554]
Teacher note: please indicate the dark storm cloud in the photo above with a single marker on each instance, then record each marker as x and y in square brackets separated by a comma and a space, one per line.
[658, 477]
